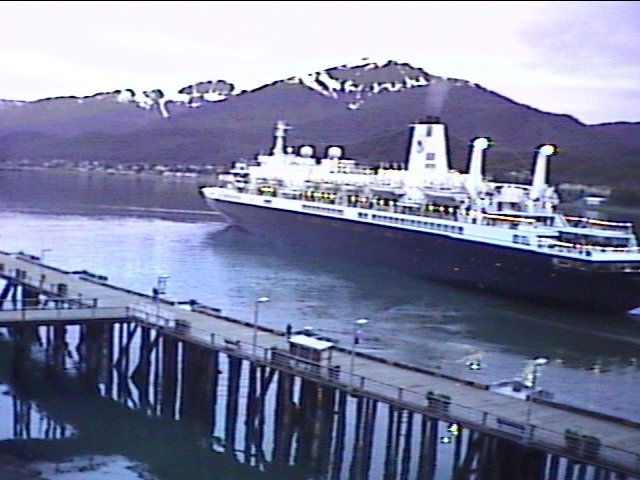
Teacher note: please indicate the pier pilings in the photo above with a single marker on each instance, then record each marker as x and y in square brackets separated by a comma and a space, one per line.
[266, 416]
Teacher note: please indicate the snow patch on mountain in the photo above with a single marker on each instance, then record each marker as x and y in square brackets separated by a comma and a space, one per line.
[357, 82]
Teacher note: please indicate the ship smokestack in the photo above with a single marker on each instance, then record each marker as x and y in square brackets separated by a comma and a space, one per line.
[474, 178]
[428, 157]
[280, 134]
[539, 182]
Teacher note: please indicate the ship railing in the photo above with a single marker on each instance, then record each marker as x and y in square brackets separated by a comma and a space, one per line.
[625, 227]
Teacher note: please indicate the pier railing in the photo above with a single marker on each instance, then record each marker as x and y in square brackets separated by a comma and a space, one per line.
[67, 315]
[581, 446]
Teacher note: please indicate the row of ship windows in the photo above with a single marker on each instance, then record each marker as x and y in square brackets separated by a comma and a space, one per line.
[519, 239]
[317, 208]
[388, 219]
[413, 223]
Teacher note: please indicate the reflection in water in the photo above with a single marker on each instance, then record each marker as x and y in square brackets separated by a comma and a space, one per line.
[29, 421]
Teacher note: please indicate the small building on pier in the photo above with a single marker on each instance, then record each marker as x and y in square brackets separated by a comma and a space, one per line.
[311, 349]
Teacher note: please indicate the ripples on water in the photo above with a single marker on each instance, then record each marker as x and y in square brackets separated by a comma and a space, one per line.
[133, 230]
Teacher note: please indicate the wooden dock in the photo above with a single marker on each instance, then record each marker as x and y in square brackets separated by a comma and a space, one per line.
[51, 295]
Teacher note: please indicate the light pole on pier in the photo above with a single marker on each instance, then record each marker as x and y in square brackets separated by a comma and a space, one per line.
[256, 312]
[42, 277]
[161, 286]
[357, 336]
[536, 362]
[159, 289]
[42, 252]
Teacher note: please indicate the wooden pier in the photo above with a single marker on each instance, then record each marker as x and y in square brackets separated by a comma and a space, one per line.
[41, 295]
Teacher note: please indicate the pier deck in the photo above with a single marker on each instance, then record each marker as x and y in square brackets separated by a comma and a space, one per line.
[85, 296]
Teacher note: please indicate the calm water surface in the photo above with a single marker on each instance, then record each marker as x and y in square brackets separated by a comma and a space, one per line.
[134, 229]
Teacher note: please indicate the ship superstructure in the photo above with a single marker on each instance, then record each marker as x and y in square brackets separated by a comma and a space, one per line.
[433, 221]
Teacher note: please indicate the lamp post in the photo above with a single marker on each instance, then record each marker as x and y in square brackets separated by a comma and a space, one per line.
[42, 276]
[536, 362]
[42, 252]
[357, 333]
[160, 289]
[256, 311]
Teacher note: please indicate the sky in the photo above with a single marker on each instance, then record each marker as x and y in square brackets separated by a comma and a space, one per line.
[577, 58]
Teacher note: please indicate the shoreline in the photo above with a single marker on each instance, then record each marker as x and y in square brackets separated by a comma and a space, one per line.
[202, 179]
[207, 178]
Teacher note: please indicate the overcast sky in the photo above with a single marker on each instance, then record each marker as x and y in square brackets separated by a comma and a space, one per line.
[577, 58]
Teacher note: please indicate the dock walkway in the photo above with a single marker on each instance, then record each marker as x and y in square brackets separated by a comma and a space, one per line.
[603, 440]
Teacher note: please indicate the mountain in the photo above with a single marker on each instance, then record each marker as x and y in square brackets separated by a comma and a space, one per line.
[366, 108]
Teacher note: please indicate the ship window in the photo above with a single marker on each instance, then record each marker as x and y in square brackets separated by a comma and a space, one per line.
[431, 156]
[429, 131]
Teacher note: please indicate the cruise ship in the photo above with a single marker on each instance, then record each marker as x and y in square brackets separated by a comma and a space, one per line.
[428, 220]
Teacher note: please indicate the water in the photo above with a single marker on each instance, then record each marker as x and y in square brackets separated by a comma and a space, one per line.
[134, 229]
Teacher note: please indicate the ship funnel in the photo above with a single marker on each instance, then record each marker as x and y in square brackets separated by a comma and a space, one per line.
[539, 182]
[474, 178]
[428, 157]
[279, 135]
